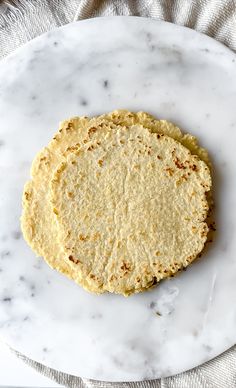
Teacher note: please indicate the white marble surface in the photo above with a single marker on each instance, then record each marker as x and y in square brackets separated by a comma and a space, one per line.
[23, 376]
[93, 67]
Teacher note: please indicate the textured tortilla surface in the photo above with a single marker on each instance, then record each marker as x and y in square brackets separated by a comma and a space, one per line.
[38, 222]
[131, 208]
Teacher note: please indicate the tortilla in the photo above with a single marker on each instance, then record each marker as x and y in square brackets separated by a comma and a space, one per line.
[131, 208]
[38, 224]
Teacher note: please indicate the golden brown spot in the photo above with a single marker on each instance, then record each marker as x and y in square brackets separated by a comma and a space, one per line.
[157, 253]
[70, 194]
[100, 162]
[69, 126]
[61, 169]
[74, 260]
[170, 171]
[27, 196]
[83, 238]
[179, 164]
[91, 130]
[55, 211]
[159, 157]
[72, 148]
[194, 167]
[125, 266]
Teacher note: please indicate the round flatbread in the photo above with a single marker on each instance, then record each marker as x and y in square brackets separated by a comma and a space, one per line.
[131, 208]
[37, 221]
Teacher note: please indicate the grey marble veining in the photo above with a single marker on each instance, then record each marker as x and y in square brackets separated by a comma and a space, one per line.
[88, 68]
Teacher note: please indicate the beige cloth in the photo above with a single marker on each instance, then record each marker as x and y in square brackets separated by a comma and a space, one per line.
[22, 20]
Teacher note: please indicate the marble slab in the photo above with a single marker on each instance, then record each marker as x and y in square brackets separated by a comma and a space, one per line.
[88, 68]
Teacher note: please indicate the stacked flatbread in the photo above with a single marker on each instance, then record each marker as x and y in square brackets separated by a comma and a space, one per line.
[118, 202]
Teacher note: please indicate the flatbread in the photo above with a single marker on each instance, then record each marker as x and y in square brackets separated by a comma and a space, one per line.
[131, 208]
[37, 221]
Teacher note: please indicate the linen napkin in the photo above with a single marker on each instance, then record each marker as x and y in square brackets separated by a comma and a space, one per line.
[22, 20]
